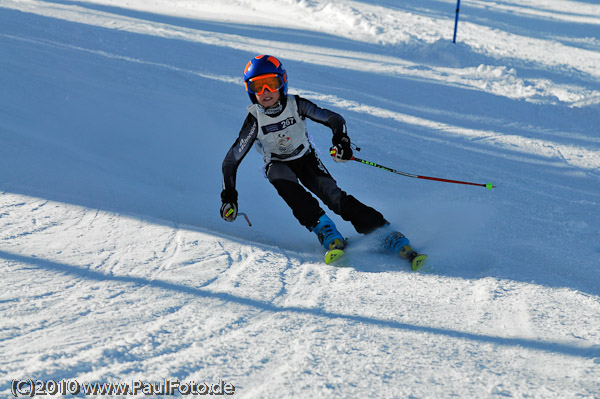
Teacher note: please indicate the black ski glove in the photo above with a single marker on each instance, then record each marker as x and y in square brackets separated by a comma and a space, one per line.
[229, 208]
[341, 151]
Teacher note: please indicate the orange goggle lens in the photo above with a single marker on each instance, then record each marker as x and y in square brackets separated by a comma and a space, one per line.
[259, 84]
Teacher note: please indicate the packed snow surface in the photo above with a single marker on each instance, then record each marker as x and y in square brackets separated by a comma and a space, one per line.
[115, 117]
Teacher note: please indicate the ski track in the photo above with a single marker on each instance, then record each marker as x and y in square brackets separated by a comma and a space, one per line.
[112, 276]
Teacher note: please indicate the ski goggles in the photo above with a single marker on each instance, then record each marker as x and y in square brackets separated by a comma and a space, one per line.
[259, 84]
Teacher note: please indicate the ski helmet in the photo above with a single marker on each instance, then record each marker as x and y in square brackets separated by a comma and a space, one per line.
[261, 65]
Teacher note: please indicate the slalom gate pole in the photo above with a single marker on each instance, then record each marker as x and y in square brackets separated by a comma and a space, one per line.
[489, 186]
[456, 20]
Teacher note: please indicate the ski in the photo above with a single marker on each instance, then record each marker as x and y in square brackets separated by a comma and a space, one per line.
[335, 256]
[417, 260]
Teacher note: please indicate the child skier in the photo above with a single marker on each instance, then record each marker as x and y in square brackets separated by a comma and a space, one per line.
[276, 122]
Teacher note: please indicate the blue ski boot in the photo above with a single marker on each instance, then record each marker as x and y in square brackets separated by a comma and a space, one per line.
[327, 234]
[398, 243]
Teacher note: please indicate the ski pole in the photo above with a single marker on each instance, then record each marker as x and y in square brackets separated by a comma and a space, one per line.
[245, 217]
[489, 186]
[230, 211]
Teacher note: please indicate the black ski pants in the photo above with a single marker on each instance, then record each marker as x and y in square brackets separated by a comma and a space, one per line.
[310, 171]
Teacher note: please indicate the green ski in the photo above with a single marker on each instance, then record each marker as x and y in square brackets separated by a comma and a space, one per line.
[417, 260]
[333, 255]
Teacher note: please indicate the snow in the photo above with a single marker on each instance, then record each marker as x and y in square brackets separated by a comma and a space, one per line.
[114, 120]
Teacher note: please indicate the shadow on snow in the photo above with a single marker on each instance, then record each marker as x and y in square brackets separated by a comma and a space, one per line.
[552, 347]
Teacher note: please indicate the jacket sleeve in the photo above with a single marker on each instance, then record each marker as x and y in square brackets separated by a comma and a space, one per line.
[332, 120]
[238, 151]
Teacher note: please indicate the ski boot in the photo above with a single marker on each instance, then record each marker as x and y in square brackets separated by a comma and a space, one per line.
[327, 234]
[398, 243]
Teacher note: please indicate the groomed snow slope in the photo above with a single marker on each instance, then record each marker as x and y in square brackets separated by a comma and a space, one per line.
[114, 120]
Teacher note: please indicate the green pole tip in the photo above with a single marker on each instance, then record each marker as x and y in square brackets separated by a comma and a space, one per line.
[489, 186]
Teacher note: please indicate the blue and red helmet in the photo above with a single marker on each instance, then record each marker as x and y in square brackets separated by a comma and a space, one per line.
[262, 65]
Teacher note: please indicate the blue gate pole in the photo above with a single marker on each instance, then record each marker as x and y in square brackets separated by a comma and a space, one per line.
[456, 20]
